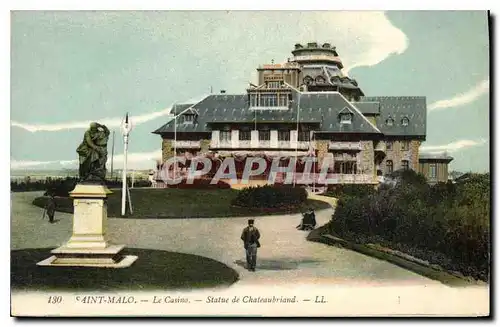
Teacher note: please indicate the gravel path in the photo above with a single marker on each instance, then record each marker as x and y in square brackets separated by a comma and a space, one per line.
[285, 255]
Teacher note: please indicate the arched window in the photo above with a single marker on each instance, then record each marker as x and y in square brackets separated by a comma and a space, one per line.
[389, 165]
[308, 80]
[320, 79]
[389, 121]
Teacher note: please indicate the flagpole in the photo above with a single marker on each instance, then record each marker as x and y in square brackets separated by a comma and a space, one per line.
[126, 128]
[112, 154]
[297, 142]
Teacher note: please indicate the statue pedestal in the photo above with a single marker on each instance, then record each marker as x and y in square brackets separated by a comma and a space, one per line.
[88, 246]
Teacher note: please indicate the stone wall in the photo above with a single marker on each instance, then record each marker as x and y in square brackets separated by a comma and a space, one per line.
[205, 145]
[397, 155]
[366, 158]
[414, 148]
[166, 150]
[322, 147]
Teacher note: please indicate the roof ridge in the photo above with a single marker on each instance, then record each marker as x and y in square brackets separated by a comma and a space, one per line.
[359, 112]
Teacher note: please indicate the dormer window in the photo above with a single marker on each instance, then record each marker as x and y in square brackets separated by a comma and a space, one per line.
[273, 85]
[269, 101]
[189, 118]
[405, 121]
[345, 118]
[320, 79]
[389, 121]
[308, 80]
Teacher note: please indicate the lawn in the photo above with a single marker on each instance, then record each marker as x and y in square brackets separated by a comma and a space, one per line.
[183, 203]
[153, 270]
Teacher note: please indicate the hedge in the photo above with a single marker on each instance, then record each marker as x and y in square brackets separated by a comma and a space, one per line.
[270, 196]
[446, 224]
[62, 186]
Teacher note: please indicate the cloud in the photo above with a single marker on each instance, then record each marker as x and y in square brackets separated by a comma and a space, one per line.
[463, 98]
[109, 122]
[378, 40]
[452, 147]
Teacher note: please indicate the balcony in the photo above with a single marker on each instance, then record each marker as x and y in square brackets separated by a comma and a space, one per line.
[186, 144]
[333, 145]
[345, 157]
[228, 144]
[330, 178]
[304, 145]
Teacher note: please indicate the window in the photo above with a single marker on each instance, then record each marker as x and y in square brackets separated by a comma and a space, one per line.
[264, 135]
[254, 100]
[245, 135]
[308, 80]
[405, 164]
[405, 121]
[389, 145]
[345, 118]
[432, 171]
[389, 167]
[188, 118]
[225, 136]
[304, 136]
[389, 121]
[283, 100]
[405, 145]
[344, 167]
[273, 85]
[283, 135]
[320, 79]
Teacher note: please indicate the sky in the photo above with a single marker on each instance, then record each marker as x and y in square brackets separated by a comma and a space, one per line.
[71, 68]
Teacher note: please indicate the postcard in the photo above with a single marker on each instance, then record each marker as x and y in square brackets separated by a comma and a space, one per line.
[250, 164]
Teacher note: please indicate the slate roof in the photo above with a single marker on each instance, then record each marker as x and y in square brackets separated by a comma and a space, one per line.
[315, 107]
[322, 108]
[435, 156]
[414, 108]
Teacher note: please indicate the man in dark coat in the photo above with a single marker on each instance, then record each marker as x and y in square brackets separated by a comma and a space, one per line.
[250, 237]
[51, 208]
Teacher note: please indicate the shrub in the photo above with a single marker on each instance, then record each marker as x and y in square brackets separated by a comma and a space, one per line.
[356, 190]
[446, 223]
[270, 196]
[201, 183]
[62, 186]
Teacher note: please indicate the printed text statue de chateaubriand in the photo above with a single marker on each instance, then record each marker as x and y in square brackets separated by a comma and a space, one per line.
[93, 154]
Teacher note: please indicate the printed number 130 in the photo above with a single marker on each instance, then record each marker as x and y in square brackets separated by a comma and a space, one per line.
[55, 299]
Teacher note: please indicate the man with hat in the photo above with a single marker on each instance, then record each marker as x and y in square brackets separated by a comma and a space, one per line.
[250, 237]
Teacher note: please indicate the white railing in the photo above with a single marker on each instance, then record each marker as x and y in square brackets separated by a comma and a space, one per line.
[186, 144]
[302, 145]
[334, 145]
[345, 157]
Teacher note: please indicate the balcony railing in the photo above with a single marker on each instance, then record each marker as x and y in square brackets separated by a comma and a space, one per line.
[186, 144]
[333, 145]
[228, 144]
[344, 157]
[330, 178]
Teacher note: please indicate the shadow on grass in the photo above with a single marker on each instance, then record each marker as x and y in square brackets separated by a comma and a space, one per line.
[279, 264]
[153, 270]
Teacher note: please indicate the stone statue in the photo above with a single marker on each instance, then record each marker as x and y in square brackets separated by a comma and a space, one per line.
[93, 154]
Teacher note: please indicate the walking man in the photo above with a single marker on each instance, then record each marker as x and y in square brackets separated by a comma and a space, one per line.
[250, 237]
[50, 208]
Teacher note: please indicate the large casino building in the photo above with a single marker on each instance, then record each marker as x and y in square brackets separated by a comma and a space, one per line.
[307, 107]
